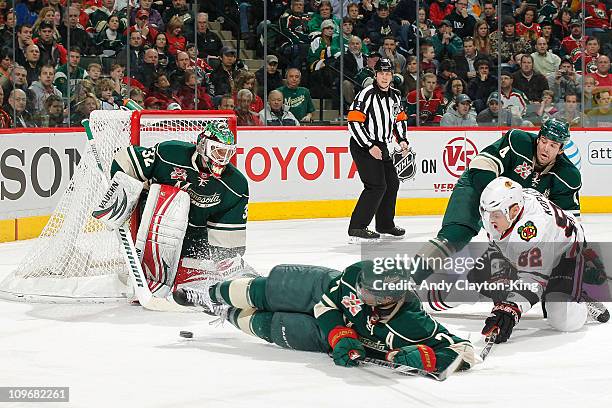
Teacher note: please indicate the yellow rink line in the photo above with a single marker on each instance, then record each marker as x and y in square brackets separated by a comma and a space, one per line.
[30, 227]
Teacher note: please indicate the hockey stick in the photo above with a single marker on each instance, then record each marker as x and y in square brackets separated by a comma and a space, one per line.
[489, 342]
[412, 371]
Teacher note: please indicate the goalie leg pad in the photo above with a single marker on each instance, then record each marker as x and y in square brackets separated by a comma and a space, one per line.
[160, 236]
[119, 200]
[563, 314]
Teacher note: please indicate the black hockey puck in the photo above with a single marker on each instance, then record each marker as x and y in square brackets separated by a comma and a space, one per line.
[186, 334]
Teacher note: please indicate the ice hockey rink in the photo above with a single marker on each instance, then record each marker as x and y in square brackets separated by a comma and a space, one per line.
[117, 355]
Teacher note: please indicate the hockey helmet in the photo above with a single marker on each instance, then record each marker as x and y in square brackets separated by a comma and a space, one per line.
[383, 65]
[497, 199]
[216, 144]
[555, 130]
[380, 286]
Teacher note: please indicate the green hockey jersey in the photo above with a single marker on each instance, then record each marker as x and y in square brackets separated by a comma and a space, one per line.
[218, 211]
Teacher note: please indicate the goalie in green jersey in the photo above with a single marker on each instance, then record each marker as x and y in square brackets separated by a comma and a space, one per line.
[362, 311]
[193, 225]
[533, 160]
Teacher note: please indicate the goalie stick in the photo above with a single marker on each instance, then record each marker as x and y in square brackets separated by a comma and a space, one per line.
[412, 371]
[139, 282]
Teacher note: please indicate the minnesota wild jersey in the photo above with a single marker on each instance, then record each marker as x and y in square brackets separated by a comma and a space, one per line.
[409, 324]
[218, 211]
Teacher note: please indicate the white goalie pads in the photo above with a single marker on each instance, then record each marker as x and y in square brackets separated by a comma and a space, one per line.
[119, 200]
[160, 236]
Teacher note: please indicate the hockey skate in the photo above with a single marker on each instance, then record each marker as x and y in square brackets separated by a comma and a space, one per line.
[198, 298]
[359, 235]
[394, 233]
[597, 310]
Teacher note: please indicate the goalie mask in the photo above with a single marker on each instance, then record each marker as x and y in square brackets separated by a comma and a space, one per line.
[496, 201]
[216, 145]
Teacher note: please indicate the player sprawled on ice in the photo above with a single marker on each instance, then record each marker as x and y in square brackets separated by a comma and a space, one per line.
[545, 245]
[350, 314]
[194, 222]
[534, 161]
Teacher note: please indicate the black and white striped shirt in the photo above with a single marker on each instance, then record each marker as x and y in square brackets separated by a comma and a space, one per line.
[376, 116]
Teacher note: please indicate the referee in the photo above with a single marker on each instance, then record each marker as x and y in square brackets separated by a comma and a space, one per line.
[374, 118]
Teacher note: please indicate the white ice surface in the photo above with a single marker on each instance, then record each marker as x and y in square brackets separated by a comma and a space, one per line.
[123, 356]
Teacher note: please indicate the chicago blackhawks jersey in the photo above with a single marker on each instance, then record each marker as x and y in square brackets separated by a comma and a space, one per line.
[544, 240]
[218, 211]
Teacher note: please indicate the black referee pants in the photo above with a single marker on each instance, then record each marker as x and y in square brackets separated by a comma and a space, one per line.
[379, 195]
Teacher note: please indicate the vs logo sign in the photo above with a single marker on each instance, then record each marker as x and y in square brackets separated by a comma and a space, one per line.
[458, 153]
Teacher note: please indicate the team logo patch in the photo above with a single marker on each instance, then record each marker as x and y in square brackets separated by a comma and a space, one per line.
[405, 165]
[352, 303]
[203, 179]
[396, 109]
[528, 231]
[178, 174]
[523, 170]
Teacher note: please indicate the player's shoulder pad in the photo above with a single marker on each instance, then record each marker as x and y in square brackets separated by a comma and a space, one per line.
[176, 152]
[566, 173]
[521, 142]
[235, 181]
[351, 273]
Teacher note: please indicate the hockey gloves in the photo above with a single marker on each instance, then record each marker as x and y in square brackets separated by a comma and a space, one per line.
[504, 316]
[346, 348]
[419, 356]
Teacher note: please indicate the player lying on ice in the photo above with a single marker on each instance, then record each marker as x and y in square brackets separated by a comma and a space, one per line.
[545, 246]
[193, 225]
[346, 314]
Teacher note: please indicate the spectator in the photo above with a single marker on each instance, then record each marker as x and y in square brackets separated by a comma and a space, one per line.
[603, 79]
[324, 13]
[78, 37]
[155, 19]
[494, 116]
[446, 43]
[410, 75]
[110, 40]
[460, 114]
[180, 10]
[439, 10]
[365, 76]
[5, 118]
[293, 28]
[569, 112]
[528, 81]
[573, 44]
[50, 52]
[68, 75]
[562, 24]
[354, 61]
[120, 88]
[24, 38]
[161, 89]
[546, 109]
[550, 10]
[274, 78]
[177, 77]
[428, 58]
[277, 113]
[461, 21]
[33, 64]
[46, 15]
[27, 11]
[152, 103]
[431, 103]
[54, 113]
[245, 117]
[320, 57]
[224, 75]
[347, 33]
[482, 41]
[359, 25]
[209, 43]
[597, 18]
[186, 94]
[104, 92]
[227, 103]
[142, 25]
[17, 105]
[480, 88]
[452, 89]
[601, 114]
[508, 44]
[297, 98]
[447, 71]
[132, 55]
[389, 50]
[465, 62]
[138, 96]
[590, 57]
[528, 28]
[380, 26]
[6, 65]
[149, 68]
[554, 44]
[544, 61]
[84, 107]
[247, 80]
[425, 26]
[565, 80]
[17, 80]
[99, 18]
[176, 40]
[512, 99]
[40, 90]
[490, 15]
[164, 58]
[7, 33]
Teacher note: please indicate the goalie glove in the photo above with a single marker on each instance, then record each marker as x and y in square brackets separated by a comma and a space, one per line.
[504, 316]
[346, 348]
[119, 200]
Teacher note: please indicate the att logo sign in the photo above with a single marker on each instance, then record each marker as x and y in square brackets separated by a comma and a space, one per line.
[457, 155]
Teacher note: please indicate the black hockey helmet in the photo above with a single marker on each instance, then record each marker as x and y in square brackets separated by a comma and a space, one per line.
[383, 65]
[379, 286]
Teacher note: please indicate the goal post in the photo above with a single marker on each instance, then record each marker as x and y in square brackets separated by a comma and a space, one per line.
[75, 258]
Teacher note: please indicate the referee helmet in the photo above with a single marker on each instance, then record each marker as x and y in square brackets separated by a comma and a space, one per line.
[383, 65]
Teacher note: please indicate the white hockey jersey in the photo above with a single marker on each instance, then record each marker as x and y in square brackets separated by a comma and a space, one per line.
[543, 238]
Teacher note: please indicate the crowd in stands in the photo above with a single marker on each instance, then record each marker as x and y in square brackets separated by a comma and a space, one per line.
[456, 62]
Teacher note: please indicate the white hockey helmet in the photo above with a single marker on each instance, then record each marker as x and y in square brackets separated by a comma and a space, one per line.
[499, 196]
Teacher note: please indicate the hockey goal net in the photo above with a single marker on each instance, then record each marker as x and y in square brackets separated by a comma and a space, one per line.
[76, 258]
